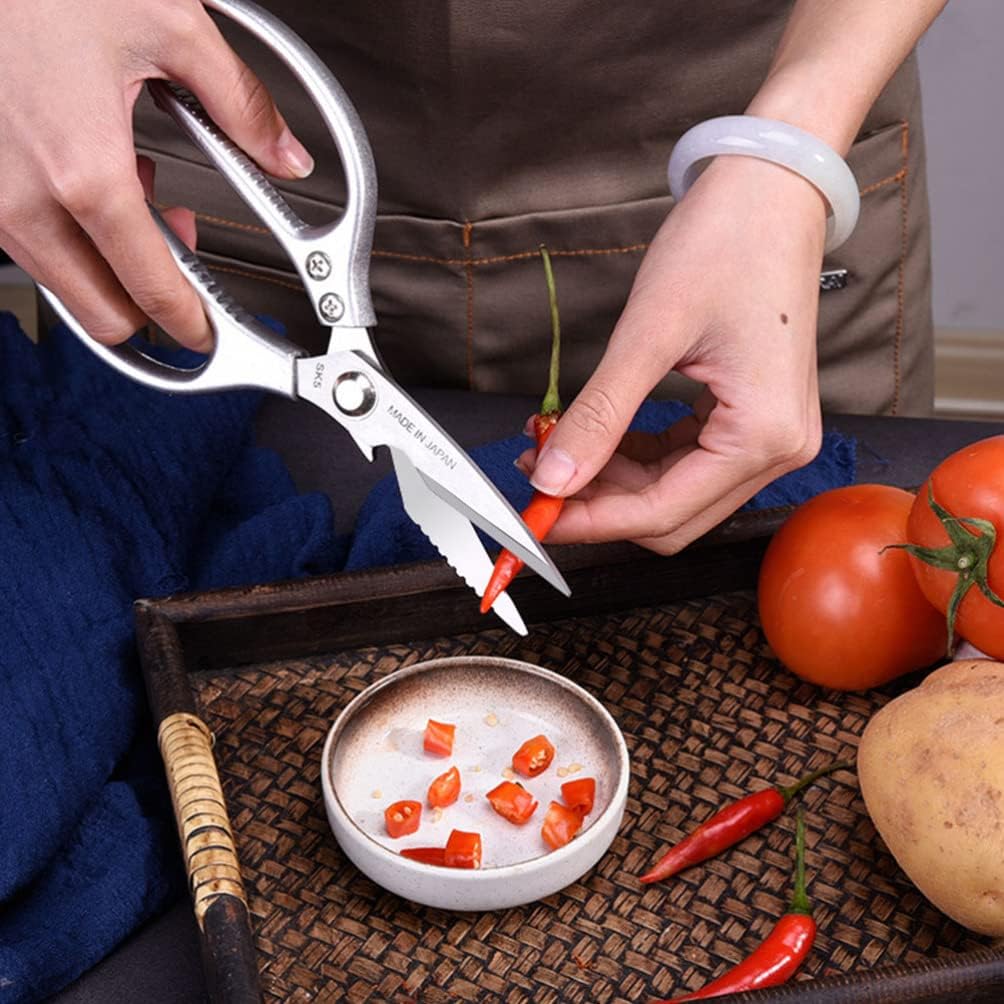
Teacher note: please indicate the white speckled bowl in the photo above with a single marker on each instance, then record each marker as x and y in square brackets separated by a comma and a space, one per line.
[373, 756]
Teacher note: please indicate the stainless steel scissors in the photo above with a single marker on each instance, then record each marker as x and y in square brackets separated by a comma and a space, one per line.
[442, 489]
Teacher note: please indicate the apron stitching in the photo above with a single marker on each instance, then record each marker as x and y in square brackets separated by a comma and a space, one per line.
[904, 203]
[875, 186]
[504, 258]
[247, 274]
[469, 283]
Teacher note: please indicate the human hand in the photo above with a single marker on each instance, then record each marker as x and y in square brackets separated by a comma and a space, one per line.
[72, 207]
[727, 295]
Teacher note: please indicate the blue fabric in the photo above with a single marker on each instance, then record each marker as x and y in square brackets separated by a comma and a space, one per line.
[110, 492]
[384, 535]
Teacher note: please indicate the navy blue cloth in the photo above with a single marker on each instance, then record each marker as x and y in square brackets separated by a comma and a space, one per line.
[110, 492]
[384, 535]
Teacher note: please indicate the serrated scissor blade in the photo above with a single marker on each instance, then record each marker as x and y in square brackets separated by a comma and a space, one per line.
[453, 536]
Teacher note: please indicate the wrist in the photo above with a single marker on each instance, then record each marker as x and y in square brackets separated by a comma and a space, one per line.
[803, 97]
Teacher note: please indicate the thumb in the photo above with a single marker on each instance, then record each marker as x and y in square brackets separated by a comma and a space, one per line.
[591, 429]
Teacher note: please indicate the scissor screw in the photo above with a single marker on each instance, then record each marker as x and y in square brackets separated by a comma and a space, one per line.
[331, 307]
[318, 265]
[354, 394]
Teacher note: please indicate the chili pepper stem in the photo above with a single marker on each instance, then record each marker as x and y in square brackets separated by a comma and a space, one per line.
[799, 898]
[792, 790]
[552, 401]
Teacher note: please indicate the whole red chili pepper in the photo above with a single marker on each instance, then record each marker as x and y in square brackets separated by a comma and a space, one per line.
[777, 958]
[730, 825]
[542, 512]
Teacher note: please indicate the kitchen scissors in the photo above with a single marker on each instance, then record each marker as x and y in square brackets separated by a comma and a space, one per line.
[442, 489]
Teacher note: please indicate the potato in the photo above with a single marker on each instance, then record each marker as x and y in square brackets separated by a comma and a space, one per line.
[931, 769]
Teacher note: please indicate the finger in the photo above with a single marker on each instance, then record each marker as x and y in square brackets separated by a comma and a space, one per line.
[180, 220]
[74, 272]
[235, 98]
[594, 424]
[126, 236]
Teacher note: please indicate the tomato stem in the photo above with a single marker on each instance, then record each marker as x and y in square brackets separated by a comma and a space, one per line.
[972, 541]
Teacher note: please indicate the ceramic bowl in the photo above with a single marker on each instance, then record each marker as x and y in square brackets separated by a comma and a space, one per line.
[374, 756]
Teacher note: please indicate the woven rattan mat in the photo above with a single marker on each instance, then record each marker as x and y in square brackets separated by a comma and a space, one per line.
[708, 716]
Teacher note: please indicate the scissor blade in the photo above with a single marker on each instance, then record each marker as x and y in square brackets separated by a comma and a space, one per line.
[377, 412]
[453, 536]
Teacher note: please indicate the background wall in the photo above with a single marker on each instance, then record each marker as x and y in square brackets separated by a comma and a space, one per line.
[962, 76]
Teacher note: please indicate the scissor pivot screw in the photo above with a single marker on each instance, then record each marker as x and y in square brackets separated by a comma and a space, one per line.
[331, 307]
[354, 394]
[318, 265]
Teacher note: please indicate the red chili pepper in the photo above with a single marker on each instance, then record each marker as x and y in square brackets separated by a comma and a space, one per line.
[427, 855]
[579, 794]
[445, 789]
[730, 825]
[402, 818]
[463, 850]
[513, 802]
[777, 958]
[560, 824]
[543, 511]
[438, 738]
[533, 757]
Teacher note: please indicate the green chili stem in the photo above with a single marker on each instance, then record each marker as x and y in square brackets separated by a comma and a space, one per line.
[799, 898]
[792, 790]
[552, 402]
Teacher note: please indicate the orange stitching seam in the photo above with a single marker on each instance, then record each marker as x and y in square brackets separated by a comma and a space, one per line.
[469, 278]
[904, 202]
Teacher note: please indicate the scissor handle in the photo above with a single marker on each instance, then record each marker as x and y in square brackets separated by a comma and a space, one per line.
[246, 353]
[332, 259]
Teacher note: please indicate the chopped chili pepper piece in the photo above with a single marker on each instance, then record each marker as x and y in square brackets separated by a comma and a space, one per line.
[533, 757]
[782, 951]
[730, 825]
[402, 818]
[463, 850]
[445, 789]
[579, 794]
[438, 738]
[543, 511]
[560, 824]
[427, 855]
[513, 802]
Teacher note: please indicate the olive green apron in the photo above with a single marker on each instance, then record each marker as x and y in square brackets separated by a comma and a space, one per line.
[499, 126]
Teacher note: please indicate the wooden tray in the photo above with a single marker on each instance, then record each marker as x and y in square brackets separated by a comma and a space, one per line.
[673, 649]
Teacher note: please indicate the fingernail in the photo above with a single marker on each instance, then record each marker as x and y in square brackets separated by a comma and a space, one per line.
[294, 155]
[554, 470]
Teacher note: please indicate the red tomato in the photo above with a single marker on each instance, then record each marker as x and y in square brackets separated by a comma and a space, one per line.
[445, 789]
[969, 485]
[533, 757]
[513, 802]
[427, 855]
[439, 738]
[560, 824]
[836, 608]
[579, 794]
[463, 850]
[402, 818]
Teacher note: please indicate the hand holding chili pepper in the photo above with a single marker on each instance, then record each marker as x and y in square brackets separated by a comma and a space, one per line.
[782, 952]
[543, 510]
[730, 825]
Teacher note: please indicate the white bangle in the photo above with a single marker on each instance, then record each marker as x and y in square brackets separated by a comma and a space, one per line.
[779, 143]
